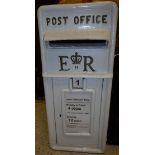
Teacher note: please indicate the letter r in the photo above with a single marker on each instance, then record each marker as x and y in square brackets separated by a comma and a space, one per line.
[86, 63]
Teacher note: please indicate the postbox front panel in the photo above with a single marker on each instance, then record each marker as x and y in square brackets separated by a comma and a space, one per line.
[76, 60]
[77, 112]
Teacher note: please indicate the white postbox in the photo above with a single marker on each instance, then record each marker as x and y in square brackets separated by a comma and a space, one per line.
[77, 51]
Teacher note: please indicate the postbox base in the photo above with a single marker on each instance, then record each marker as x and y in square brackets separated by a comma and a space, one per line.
[78, 149]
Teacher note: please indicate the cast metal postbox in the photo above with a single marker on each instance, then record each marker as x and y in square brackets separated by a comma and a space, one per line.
[77, 51]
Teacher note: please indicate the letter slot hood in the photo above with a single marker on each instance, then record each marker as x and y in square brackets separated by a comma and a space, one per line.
[76, 35]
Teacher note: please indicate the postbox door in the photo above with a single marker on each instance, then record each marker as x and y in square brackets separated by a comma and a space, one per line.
[77, 111]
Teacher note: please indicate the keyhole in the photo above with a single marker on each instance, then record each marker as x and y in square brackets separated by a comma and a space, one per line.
[60, 115]
[77, 81]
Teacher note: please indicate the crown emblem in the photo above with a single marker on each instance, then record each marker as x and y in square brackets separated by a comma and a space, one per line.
[76, 59]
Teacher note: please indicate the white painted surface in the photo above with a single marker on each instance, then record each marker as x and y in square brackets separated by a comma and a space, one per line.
[78, 78]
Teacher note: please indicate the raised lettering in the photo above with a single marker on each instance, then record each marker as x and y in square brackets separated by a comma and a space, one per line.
[93, 20]
[82, 19]
[65, 19]
[104, 17]
[59, 20]
[88, 19]
[86, 63]
[54, 21]
[76, 20]
[97, 19]
[47, 20]
[62, 63]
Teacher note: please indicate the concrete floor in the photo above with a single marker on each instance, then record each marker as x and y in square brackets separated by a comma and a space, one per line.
[41, 137]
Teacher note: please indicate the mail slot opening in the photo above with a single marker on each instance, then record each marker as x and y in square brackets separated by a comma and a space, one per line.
[77, 43]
